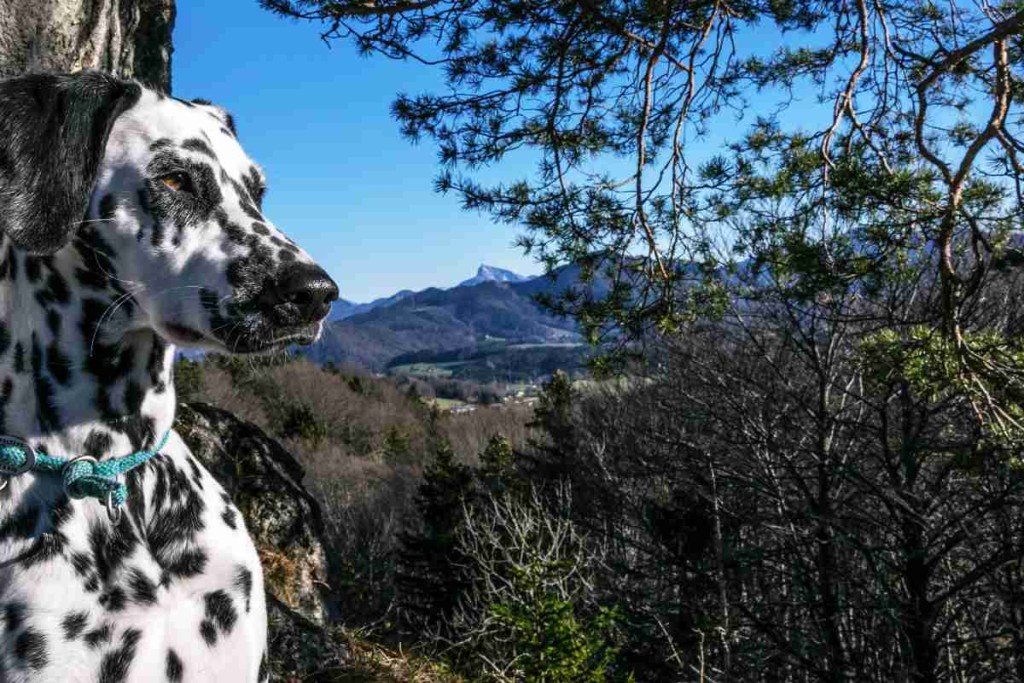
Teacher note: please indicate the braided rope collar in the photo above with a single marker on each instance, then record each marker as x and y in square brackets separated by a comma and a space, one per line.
[84, 476]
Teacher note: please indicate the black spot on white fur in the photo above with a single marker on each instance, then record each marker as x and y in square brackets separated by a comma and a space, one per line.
[14, 616]
[74, 624]
[244, 583]
[99, 636]
[117, 663]
[220, 610]
[30, 648]
[175, 667]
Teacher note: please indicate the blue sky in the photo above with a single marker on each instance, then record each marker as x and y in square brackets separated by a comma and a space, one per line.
[342, 182]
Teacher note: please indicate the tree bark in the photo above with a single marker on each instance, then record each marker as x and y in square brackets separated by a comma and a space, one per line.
[130, 38]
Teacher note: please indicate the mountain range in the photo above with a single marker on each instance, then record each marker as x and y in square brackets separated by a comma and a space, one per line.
[344, 308]
[494, 306]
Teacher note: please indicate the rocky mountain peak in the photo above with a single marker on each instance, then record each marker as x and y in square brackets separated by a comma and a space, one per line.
[486, 273]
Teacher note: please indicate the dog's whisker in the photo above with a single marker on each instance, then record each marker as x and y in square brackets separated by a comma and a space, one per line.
[120, 301]
[96, 258]
[91, 220]
[110, 310]
[221, 327]
[238, 340]
[171, 289]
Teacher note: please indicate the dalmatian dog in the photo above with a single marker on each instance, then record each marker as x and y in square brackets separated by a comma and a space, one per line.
[131, 225]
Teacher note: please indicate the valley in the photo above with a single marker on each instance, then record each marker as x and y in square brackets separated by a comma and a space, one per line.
[489, 329]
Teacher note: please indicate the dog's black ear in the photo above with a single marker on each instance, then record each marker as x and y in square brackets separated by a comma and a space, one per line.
[53, 131]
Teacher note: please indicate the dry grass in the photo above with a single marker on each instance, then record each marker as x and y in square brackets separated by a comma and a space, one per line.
[369, 662]
[280, 573]
[372, 662]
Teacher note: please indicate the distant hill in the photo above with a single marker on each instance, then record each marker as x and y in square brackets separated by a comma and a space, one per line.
[487, 273]
[495, 306]
[343, 308]
[561, 281]
[346, 309]
[438, 320]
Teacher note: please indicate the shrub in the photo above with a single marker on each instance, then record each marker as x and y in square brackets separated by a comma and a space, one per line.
[300, 421]
[546, 641]
[497, 465]
[529, 613]
[365, 503]
[396, 446]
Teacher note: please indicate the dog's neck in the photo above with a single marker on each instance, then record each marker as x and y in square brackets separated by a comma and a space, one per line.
[80, 374]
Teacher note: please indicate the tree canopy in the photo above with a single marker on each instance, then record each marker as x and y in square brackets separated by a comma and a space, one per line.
[699, 154]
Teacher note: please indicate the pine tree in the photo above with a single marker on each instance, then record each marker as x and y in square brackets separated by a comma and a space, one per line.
[498, 472]
[430, 580]
[553, 418]
[396, 445]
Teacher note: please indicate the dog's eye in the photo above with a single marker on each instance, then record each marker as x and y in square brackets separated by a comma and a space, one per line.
[177, 182]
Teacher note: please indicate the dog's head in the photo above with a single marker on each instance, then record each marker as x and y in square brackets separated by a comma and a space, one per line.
[157, 195]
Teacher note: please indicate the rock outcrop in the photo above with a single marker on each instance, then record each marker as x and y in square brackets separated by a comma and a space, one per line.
[286, 523]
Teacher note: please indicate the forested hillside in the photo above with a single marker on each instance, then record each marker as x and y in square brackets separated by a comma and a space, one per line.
[795, 229]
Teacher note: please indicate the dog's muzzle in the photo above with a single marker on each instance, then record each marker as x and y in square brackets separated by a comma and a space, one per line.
[301, 295]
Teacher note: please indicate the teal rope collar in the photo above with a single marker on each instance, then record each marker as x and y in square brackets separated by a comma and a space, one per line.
[84, 476]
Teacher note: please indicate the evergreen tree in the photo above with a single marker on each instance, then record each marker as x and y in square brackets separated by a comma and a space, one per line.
[396, 445]
[555, 445]
[431, 579]
[498, 466]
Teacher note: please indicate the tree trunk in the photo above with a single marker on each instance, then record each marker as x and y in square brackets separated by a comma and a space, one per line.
[130, 38]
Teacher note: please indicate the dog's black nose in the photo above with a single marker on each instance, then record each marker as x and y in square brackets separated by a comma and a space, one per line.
[303, 295]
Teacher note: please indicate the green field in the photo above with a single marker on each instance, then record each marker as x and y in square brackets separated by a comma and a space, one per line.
[524, 363]
[614, 384]
[425, 370]
[444, 403]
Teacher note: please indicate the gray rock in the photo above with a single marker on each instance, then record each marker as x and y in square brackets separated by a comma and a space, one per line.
[286, 523]
[130, 38]
[265, 482]
[301, 650]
